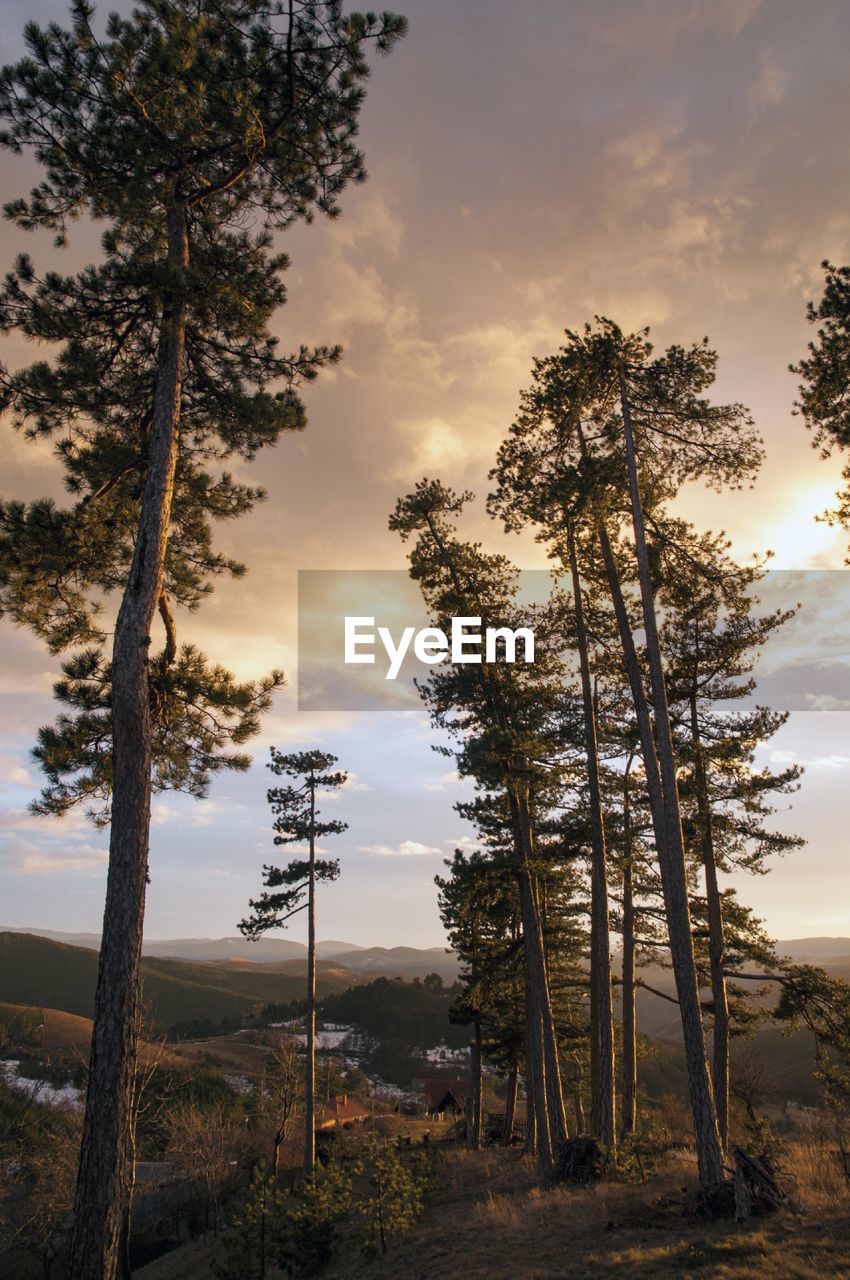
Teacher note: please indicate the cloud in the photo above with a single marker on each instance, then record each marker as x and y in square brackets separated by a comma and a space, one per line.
[407, 849]
[71, 827]
[17, 683]
[352, 783]
[162, 814]
[204, 813]
[302, 850]
[826, 764]
[13, 773]
[827, 702]
[830, 764]
[373, 222]
[769, 89]
[356, 783]
[27, 859]
[447, 780]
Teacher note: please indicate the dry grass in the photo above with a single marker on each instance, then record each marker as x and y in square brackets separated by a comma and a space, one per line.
[70, 1033]
[816, 1169]
[65, 1030]
[232, 1053]
[490, 1220]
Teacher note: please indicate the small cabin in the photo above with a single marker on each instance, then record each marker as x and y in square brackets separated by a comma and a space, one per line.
[445, 1097]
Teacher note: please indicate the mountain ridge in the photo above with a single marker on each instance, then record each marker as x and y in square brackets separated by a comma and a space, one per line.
[236, 950]
[235, 947]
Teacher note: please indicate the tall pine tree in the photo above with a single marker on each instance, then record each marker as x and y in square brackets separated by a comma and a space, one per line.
[192, 130]
[298, 821]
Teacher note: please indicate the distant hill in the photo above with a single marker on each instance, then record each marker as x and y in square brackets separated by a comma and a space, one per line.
[404, 961]
[791, 1058]
[267, 949]
[39, 972]
[408, 962]
[814, 948]
[332, 948]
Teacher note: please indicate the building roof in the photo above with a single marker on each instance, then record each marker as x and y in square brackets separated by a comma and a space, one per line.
[340, 1110]
[445, 1092]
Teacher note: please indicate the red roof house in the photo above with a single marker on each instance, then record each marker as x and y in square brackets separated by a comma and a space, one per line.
[339, 1111]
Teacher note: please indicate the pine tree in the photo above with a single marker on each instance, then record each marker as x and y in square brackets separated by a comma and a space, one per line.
[711, 638]
[825, 374]
[560, 838]
[297, 821]
[603, 1120]
[394, 1201]
[609, 430]
[497, 712]
[316, 1218]
[479, 909]
[248, 1244]
[191, 130]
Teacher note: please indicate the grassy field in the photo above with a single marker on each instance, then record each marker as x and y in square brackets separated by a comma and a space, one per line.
[235, 1053]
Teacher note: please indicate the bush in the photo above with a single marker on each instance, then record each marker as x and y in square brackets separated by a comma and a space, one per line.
[315, 1219]
[396, 1197]
[247, 1245]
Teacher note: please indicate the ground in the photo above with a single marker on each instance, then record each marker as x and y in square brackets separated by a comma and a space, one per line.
[490, 1221]
[487, 1219]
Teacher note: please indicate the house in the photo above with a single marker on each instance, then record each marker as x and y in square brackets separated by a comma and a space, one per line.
[444, 1096]
[340, 1111]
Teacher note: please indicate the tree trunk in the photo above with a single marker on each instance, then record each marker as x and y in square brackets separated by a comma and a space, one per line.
[310, 1066]
[263, 1216]
[552, 1056]
[540, 969]
[124, 1268]
[529, 1147]
[539, 1129]
[716, 935]
[629, 1104]
[475, 1090]
[548, 1093]
[511, 1091]
[672, 850]
[578, 1106]
[602, 1086]
[103, 1156]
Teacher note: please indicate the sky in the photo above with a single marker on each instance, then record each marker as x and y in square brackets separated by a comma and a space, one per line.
[676, 163]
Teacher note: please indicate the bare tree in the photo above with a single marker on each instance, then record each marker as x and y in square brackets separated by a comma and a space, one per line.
[207, 1145]
[752, 1081]
[283, 1087]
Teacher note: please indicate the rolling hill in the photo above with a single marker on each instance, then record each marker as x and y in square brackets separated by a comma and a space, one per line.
[39, 972]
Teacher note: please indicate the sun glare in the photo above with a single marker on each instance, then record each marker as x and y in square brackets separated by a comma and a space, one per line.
[798, 539]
